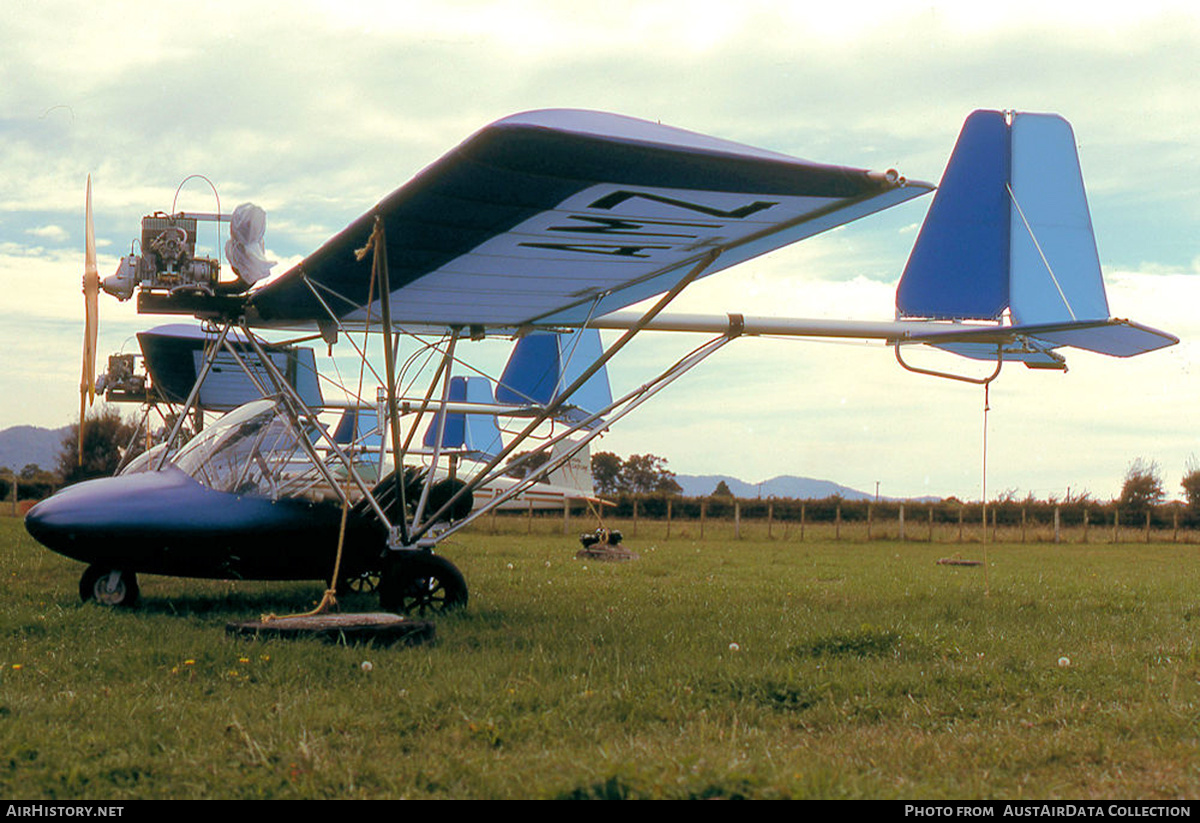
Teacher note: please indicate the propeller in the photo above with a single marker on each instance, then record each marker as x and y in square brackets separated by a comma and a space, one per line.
[91, 292]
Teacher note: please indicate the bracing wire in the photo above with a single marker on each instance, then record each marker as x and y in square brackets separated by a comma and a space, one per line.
[986, 408]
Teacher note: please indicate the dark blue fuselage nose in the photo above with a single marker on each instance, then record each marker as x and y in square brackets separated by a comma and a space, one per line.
[164, 522]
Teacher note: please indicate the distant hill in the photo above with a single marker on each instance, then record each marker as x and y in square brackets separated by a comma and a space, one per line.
[22, 445]
[803, 488]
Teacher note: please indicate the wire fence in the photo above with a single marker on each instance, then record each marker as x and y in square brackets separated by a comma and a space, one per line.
[665, 518]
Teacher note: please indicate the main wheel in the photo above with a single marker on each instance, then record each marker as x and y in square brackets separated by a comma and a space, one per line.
[422, 584]
[108, 587]
[363, 583]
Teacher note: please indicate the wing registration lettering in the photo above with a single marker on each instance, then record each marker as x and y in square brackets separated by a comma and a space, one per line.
[625, 226]
[671, 234]
[616, 198]
[612, 250]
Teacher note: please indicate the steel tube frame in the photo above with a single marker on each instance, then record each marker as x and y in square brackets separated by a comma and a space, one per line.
[447, 360]
[210, 357]
[705, 262]
[627, 404]
[294, 402]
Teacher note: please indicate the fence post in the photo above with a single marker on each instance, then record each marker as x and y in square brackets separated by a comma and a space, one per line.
[901, 522]
[529, 519]
[1085, 525]
[566, 515]
[1116, 522]
[1147, 525]
[837, 523]
[770, 520]
[870, 515]
[1057, 525]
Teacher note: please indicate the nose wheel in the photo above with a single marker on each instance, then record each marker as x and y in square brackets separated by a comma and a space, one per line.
[108, 587]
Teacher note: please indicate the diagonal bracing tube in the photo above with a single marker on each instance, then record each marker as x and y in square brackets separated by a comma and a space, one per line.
[702, 264]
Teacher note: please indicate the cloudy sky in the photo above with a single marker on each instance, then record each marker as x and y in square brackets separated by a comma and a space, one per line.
[315, 110]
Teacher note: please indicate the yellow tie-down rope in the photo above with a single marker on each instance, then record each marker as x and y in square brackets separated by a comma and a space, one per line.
[329, 598]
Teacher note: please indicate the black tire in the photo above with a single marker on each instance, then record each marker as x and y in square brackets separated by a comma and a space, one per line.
[363, 583]
[422, 584]
[94, 586]
[440, 494]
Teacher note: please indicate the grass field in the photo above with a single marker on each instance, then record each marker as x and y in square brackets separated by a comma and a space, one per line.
[724, 668]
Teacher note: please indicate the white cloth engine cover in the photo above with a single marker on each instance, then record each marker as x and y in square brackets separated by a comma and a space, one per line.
[245, 248]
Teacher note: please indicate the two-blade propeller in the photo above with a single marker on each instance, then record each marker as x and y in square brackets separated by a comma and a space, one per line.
[91, 292]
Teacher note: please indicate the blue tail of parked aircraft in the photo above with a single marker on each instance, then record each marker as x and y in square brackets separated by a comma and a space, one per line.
[1009, 239]
[544, 364]
[475, 434]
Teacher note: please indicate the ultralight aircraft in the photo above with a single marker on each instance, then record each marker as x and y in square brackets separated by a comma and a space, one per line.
[541, 227]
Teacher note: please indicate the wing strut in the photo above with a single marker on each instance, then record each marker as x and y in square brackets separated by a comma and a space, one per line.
[447, 361]
[379, 270]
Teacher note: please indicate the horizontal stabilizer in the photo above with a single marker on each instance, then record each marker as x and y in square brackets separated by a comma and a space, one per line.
[1115, 337]
[1034, 358]
[1119, 338]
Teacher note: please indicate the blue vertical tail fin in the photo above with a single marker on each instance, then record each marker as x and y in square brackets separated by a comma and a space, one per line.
[1008, 238]
[476, 435]
[543, 364]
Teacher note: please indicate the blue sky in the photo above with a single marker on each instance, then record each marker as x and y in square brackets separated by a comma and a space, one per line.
[315, 110]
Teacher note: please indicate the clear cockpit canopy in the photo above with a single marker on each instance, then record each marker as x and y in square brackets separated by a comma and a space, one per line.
[256, 450]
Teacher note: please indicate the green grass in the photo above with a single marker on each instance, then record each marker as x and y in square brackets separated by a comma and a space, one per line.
[861, 669]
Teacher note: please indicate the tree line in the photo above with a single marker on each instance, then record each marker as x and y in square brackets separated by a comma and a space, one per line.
[106, 438]
[644, 481]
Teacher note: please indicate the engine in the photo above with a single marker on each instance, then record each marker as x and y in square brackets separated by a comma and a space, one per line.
[168, 260]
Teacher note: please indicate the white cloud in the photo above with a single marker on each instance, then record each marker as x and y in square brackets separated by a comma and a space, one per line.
[53, 233]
